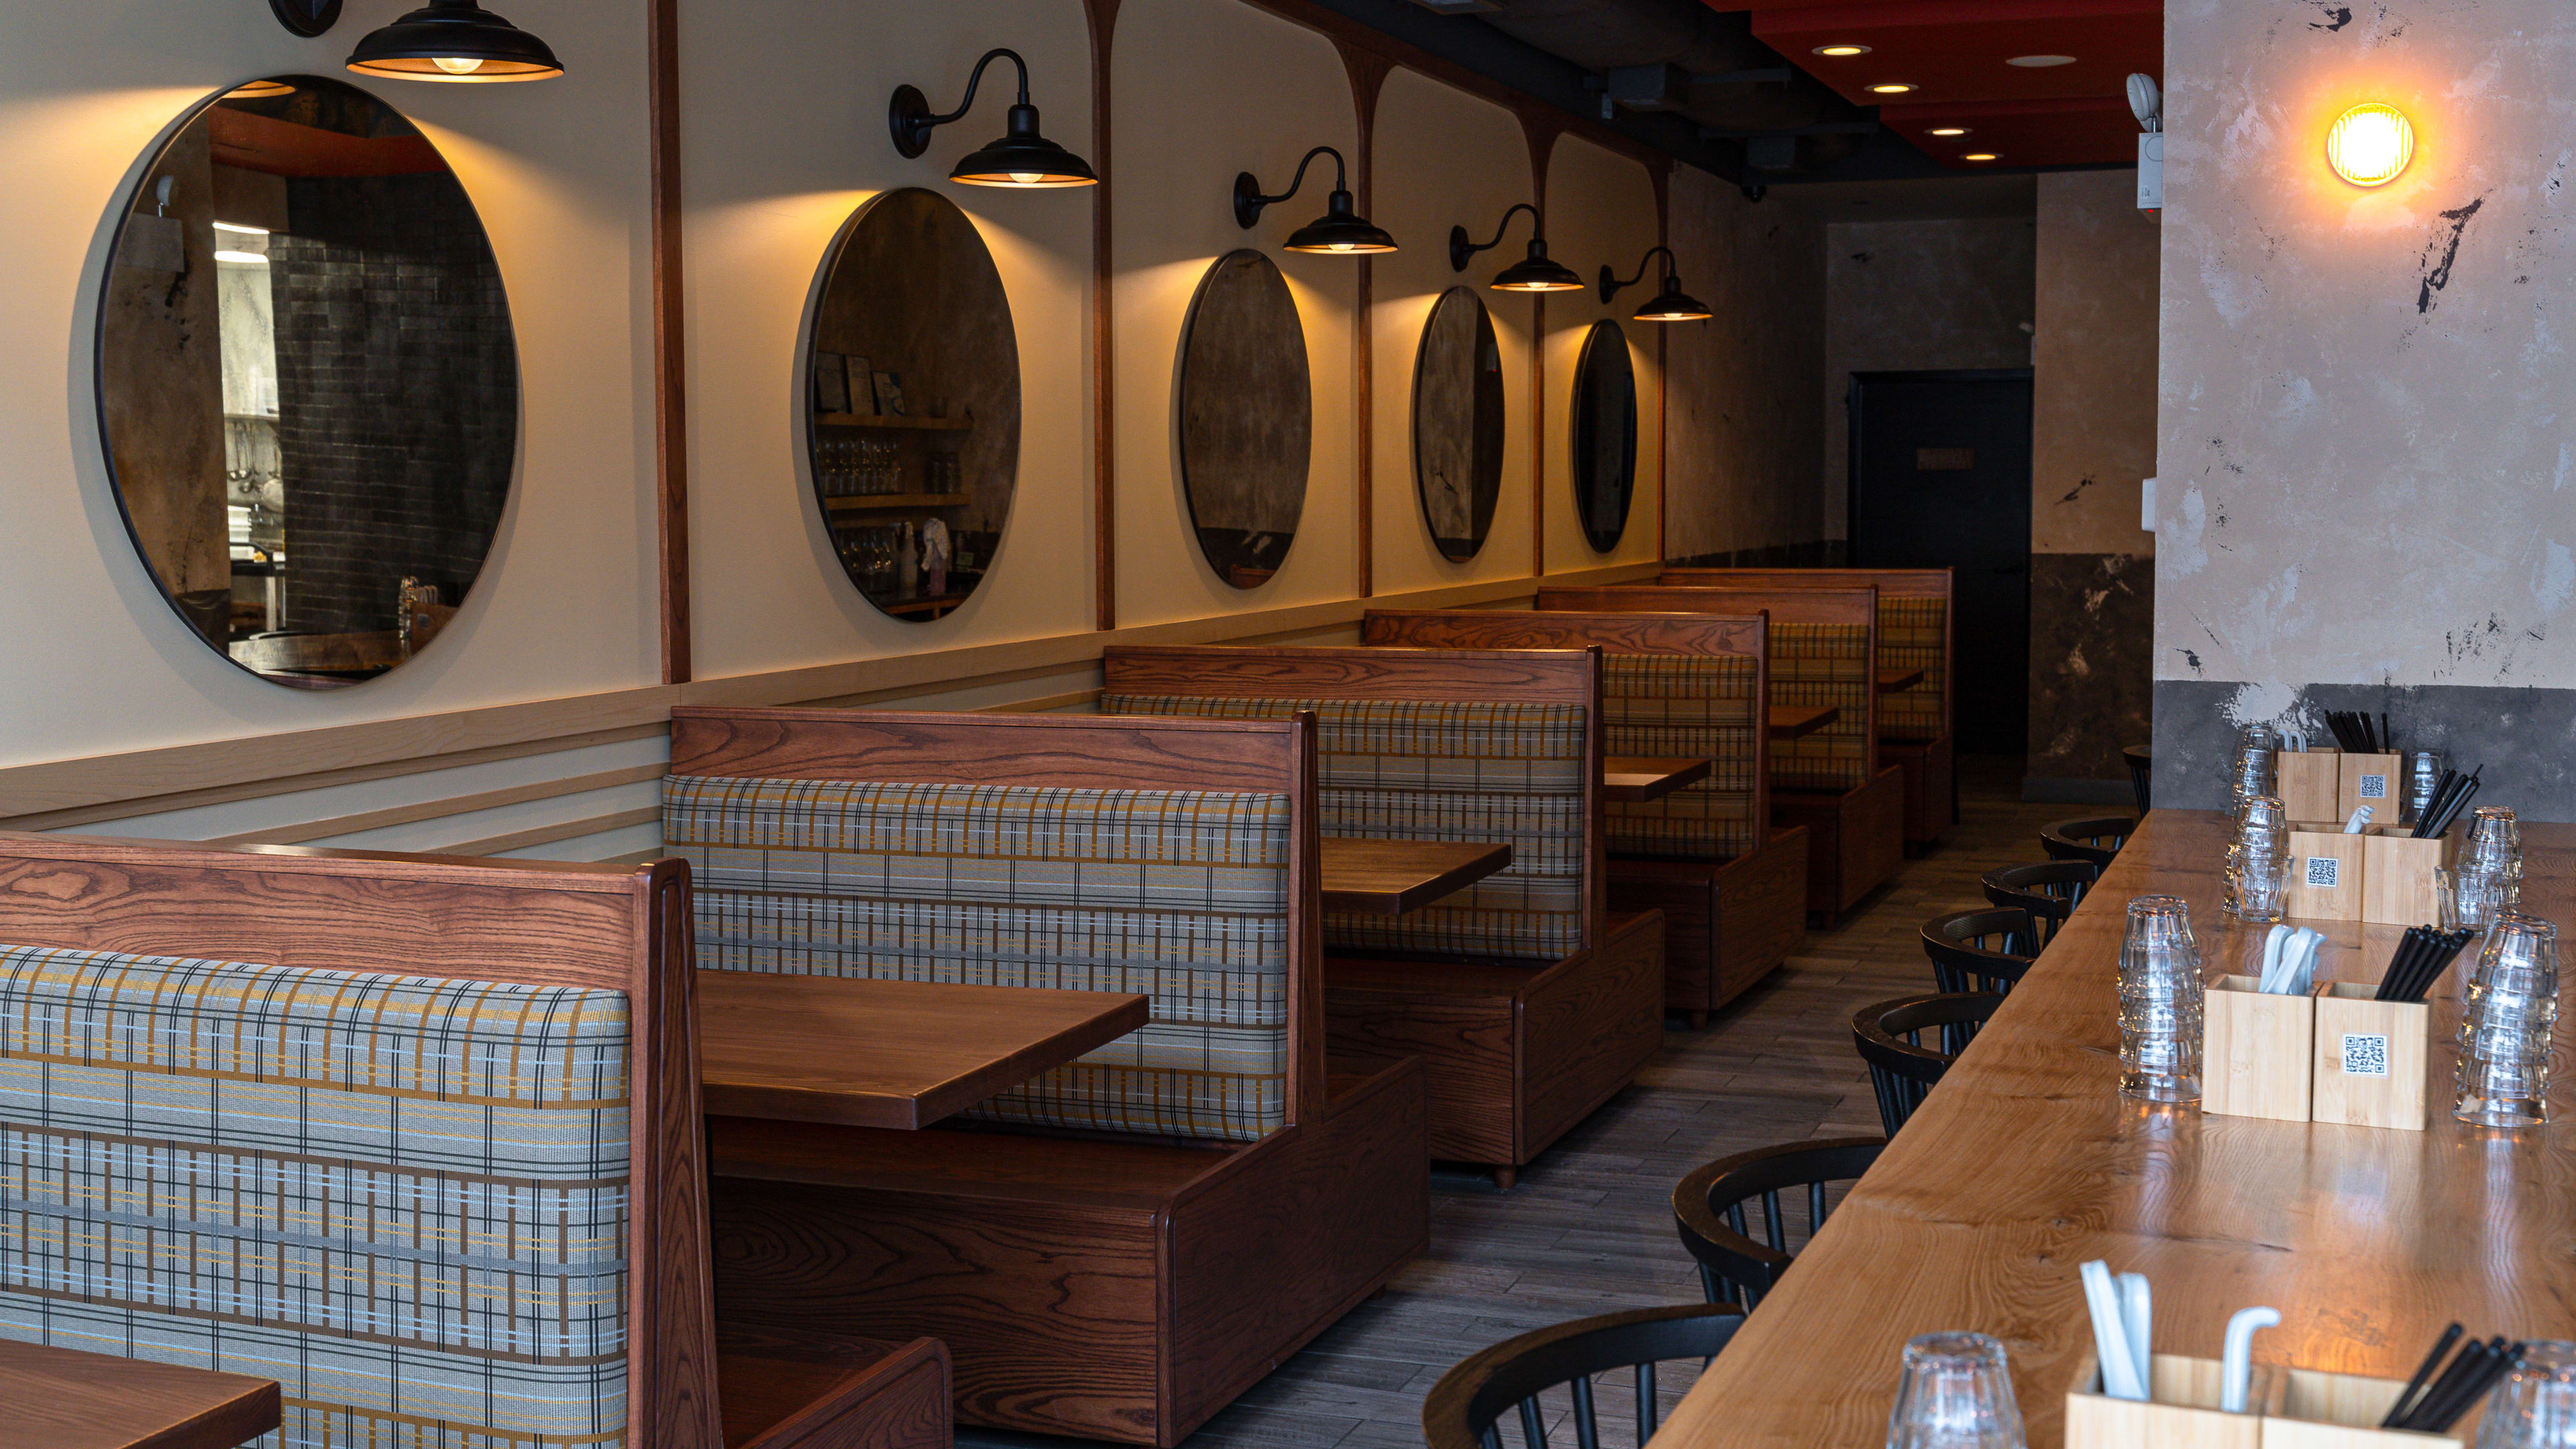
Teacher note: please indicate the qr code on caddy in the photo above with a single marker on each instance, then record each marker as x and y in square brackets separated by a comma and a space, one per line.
[2323, 871]
[2365, 1055]
[2373, 787]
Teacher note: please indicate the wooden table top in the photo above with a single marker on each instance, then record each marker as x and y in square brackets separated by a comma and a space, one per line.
[1635, 779]
[2026, 1162]
[1391, 877]
[886, 1053]
[61, 1398]
[1893, 681]
[1797, 721]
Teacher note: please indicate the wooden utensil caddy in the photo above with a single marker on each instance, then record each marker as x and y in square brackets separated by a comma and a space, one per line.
[2287, 1409]
[2381, 877]
[2334, 1056]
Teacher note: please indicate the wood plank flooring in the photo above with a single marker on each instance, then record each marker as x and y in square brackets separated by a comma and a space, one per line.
[1589, 1229]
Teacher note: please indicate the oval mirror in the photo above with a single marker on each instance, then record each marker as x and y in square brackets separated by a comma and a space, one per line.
[307, 381]
[1458, 423]
[1246, 417]
[913, 403]
[1605, 435]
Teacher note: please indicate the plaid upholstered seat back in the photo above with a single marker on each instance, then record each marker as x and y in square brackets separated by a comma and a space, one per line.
[1177, 895]
[1823, 664]
[1674, 706]
[1418, 770]
[405, 1200]
[1912, 634]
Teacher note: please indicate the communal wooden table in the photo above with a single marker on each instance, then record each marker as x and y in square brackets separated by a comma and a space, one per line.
[886, 1053]
[1636, 779]
[61, 1398]
[2026, 1162]
[1897, 681]
[1797, 721]
[1391, 877]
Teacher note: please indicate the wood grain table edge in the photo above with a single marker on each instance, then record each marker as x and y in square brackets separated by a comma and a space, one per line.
[32, 1374]
[1636, 779]
[1490, 859]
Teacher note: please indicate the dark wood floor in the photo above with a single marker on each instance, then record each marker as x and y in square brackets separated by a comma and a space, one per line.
[1589, 1229]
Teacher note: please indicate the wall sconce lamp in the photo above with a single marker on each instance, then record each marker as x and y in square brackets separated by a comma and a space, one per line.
[307, 18]
[1022, 158]
[1532, 273]
[2370, 144]
[1671, 304]
[1340, 231]
[453, 40]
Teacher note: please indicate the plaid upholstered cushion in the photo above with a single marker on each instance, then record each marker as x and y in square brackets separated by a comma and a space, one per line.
[1420, 770]
[1177, 895]
[1684, 707]
[1911, 636]
[1821, 664]
[406, 1200]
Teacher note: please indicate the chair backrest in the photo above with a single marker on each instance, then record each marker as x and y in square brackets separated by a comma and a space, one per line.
[1915, 631]
[1984, 950]
[1708, 1209]
[1427, 744]
[1823, 651]
[1170, 858]
[1465, 1409]
[2096, 840]
[1672, 686]
[417, 1137]
[2142, 776]
[2049, 890]
[1902, 1069]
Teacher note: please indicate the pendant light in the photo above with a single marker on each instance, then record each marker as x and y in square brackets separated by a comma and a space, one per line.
[1022, 158]
[457, 41]
[1340, 231]
[1671, 304]
[1534, 272]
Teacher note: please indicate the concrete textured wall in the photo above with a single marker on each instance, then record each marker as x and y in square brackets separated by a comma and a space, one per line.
[2364, 460]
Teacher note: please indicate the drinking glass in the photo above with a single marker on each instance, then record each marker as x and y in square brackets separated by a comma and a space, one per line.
[2423, 777]
[2488, 879]
[2256, 745]
[2534, 1407]
[2506, 1026]
[2160, 1002]
[2258, 867]
[1956, 1394]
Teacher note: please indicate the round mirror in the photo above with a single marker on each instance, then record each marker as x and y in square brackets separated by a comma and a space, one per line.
[913, 403]
[1247, 419]
[1605, 435]
[307, 381]
[1458, 423]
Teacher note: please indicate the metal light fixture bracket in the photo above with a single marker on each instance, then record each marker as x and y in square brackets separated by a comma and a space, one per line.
[307, 18]
[1611, 285]
[909, 115]
[1463, 248]
[1248, 200]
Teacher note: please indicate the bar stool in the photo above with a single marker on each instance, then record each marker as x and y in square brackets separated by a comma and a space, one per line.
[1984, 950]
[2142, 776]
[1708, 1208]
[1902, 1070]
[2050, 891]
[2093, 840]
[1463, 1408]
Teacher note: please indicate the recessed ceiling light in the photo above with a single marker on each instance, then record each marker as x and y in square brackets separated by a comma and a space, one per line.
[1947, 131]
[2040, 62]
[1839, 51]
[1892, 88]
[1979, 156]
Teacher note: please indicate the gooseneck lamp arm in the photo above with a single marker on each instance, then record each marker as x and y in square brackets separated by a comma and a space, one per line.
[1611, 285]
[1462, 248]
[1248, 200]
[912, 120]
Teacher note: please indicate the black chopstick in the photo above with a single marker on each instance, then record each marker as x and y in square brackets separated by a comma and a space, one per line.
[2460, 1371]
[2460, 798]
[2486, 1363]
[2405, 1404]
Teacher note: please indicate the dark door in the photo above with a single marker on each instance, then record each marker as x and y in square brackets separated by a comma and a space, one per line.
[1940, 476]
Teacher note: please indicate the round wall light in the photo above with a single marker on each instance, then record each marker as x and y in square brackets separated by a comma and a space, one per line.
[1981, 156]
[1840, 51]
[2370, 144]
[1892, 88]
[1947, 131]
[2040, 62]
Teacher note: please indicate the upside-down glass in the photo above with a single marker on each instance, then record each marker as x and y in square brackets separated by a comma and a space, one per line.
[2258, 863]
[2534, 1407]
[2488, 878]
[2506, 1026]
[2160, 1002]
[1956, 1394]
[2423, 777]
[2256, 744]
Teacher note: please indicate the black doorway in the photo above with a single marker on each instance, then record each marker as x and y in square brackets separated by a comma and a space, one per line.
[1940, 476]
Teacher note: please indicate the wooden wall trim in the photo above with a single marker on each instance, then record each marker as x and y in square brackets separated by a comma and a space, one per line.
[1368, 71]
[440, 809]
[670, 342]
[1103, 17]
[1539, 129]
[549, 834]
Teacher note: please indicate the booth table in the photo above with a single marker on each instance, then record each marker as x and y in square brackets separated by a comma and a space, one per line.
[1636, 779]
[62, 1398]
[1391, 877]
[1797, 721]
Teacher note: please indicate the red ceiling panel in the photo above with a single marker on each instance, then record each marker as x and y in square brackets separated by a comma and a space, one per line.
[2085, 131]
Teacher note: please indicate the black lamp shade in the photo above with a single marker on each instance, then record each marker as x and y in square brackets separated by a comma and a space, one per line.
[1340, 231]
[1024, 159]
[1672, 304]
[458, 41]
[1536, 273]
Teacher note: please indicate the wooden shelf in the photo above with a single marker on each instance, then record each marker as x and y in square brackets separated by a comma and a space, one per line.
[880, 502]
[855, 420]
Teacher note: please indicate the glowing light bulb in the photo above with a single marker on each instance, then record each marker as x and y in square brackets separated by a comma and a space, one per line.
[2370, 144]
[1979, 156]
[1839, 51]
[1892, 88]
[1947, 131]
[457, 64]
[1027, 178]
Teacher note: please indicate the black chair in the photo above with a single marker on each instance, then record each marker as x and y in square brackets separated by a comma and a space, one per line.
[1708, 1208]
[2142, 776]
[1466, 1407]
[2093, 840]
[2050, 891]
[1902, 1070]
[1984, 950]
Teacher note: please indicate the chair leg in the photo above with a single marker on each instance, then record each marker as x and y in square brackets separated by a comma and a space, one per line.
[1504, 1177]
